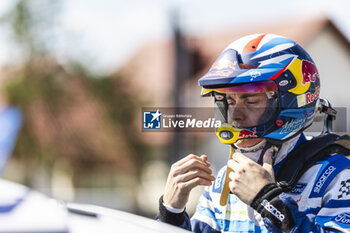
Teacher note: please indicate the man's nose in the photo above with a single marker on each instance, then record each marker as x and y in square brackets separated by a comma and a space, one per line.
[237, 113]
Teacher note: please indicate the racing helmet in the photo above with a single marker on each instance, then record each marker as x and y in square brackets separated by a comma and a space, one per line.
[271, 65]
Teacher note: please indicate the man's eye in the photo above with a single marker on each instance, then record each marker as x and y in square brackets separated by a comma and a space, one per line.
[252, 102]
[231, 102]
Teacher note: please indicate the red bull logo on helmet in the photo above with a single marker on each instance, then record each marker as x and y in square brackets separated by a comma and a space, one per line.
[305, 73]
[311, 97]
[310, 73]
[245, 133]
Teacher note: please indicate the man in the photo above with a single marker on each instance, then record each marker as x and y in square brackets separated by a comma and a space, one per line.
[266, 91]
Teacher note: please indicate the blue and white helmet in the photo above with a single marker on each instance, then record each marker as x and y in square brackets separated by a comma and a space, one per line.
[272, 64]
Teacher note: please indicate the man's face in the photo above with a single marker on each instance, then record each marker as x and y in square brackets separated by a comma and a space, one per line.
[245, 109]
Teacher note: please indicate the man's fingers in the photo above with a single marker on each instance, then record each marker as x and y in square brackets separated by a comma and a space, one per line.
[184, 175]
[268, 156]
[204, 158]
[236, 167]
[182, 161]
[189, 185]
[191, 165]
[241, 158]
[194, 174]
[267, 160]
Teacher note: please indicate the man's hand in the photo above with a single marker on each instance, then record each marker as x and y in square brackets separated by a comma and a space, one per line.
[184, 175]
[248, 177]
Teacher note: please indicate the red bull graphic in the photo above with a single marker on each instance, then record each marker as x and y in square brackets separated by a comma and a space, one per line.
[310, 73]
[305, 73]
[245, 133]
[311, 97]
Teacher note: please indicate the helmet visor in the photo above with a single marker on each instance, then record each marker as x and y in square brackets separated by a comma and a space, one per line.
[258, 87]
[246, 105]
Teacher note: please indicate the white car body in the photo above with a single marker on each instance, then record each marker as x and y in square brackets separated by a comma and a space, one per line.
[23, 210]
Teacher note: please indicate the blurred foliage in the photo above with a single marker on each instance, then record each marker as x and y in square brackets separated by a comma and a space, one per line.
[86, 121]
[32, 24]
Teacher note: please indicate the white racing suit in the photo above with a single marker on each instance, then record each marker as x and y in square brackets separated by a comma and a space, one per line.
[320, 202]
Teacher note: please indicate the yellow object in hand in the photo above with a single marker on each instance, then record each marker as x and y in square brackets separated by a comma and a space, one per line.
[225, 192]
